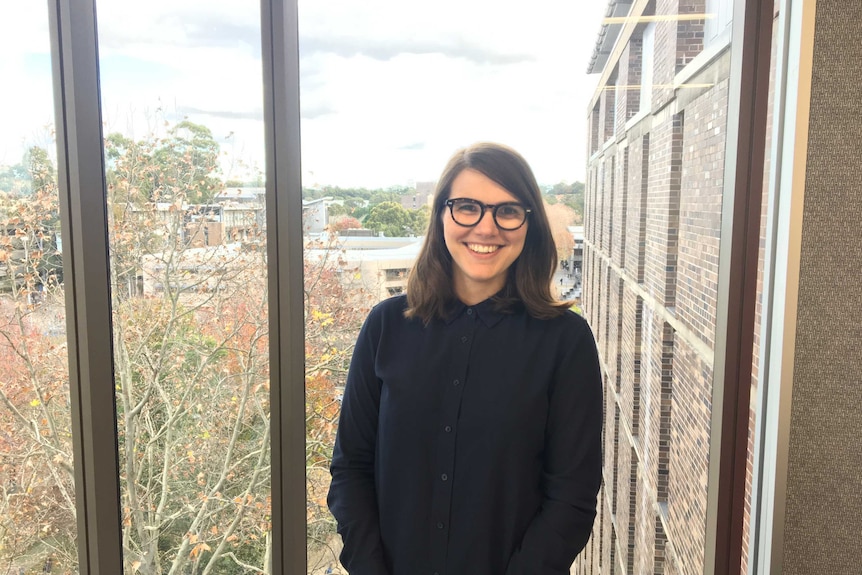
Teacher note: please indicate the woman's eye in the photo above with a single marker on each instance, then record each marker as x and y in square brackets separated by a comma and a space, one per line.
[468, 208]
[509, 212]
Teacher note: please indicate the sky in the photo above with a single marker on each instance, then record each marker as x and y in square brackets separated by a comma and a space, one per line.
[389, 89]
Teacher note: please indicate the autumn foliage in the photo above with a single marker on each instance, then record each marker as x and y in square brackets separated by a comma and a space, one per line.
[191, 375]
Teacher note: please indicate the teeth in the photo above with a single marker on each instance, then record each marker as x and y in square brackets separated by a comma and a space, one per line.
[482, 249]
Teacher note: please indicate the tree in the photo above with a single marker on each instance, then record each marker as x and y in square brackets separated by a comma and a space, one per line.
[420, 220]
[182, 167]
[560, 216]
[192, 383]
[37, 497]
[14, 180]
[571, 195]
[337, 210]
[333, 316]
[393, 220]
[342, 223]
[34, 172]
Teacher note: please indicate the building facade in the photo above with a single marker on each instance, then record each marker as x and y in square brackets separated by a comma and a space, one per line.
[653, 218]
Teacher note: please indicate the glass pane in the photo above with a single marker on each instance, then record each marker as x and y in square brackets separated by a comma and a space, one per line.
[389, 91]
[182, 102]
[38, 529]
[653, 228]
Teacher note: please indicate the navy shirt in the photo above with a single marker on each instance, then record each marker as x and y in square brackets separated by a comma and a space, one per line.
[470, 446]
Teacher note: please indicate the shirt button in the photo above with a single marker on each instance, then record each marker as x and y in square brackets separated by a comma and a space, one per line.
[448, 429]
[440, 525]
[464, 339]
[444, 477]
[456, 383]
[470, 311]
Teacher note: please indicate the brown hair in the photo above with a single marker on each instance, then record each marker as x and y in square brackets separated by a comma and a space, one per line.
[430, 291]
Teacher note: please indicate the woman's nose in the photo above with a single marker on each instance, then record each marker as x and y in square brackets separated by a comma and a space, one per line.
[487, 225]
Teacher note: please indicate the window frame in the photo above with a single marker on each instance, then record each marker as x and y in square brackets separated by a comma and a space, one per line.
[75, 67]
[86, 261]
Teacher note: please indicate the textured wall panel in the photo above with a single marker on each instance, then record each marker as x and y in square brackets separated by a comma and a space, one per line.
[823, 529]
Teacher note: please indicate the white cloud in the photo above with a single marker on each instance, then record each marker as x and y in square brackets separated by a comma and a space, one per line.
[390, 88]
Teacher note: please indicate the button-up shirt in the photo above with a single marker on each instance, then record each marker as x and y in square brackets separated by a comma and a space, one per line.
[468, 446]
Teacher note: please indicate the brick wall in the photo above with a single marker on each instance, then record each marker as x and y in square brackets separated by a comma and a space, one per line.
[653, 225]
[662, 214]
[609, 108]
[629, 355]
[609, 198]
[613, 292]
[664, 68]
[700, 212]
[690, 425]
[595, 122]
[689, 33]
[634, 229]
[619, 214]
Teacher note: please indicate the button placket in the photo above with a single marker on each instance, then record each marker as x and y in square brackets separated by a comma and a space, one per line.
[463, 332]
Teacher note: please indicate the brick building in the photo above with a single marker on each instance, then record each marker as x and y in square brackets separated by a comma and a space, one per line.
[653, 221]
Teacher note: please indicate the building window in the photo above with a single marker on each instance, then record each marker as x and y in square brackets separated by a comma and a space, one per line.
[719, 14]
[647, 66]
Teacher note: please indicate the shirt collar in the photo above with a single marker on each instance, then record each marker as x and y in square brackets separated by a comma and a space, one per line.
[484, 310]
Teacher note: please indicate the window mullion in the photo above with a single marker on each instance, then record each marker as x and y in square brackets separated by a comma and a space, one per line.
[737, 283]
[83, 211]
[284, 253]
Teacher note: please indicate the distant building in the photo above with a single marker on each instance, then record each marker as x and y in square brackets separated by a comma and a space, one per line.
[577, 260]
[242, 195]
[195, 272]
[422, 196]
[376, 266]
[315, 215]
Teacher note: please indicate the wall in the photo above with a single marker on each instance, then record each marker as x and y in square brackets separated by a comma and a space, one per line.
[824, 479]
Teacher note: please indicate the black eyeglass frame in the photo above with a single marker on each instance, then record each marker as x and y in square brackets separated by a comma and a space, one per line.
[451, 204]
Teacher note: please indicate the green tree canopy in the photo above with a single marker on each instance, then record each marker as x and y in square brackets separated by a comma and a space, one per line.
[571, 195]
[392, 219]
[35, 172]
[181, 167]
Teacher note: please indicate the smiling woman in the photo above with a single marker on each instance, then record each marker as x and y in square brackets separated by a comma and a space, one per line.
[463, 425]
[497, 472]
[482, 252]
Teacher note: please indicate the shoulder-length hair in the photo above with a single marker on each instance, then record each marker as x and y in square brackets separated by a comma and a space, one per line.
[430, 289]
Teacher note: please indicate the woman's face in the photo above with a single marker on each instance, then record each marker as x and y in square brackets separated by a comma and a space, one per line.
[481, 254]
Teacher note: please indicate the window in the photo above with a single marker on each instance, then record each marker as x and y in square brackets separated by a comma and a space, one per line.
[217, 446]
[661, 358]
[719, 14]
[647, 66]
[38, 523]
[190, 351]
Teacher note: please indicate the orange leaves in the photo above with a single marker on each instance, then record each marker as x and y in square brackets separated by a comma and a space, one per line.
[198, 549]
[248, 499]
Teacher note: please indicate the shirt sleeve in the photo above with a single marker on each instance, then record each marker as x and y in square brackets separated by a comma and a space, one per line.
[572, 466]
[352, 494]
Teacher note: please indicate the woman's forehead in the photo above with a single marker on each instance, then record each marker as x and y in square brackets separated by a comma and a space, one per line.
[470, 183]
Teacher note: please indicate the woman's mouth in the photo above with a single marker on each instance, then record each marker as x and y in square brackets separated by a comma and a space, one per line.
[482, 248]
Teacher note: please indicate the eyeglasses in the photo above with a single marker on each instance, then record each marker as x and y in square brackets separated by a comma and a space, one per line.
[467, 212]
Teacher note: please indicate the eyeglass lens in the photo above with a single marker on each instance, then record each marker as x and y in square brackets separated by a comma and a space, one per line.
[469, 212]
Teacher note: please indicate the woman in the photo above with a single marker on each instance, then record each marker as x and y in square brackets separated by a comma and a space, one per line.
[470, 434]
